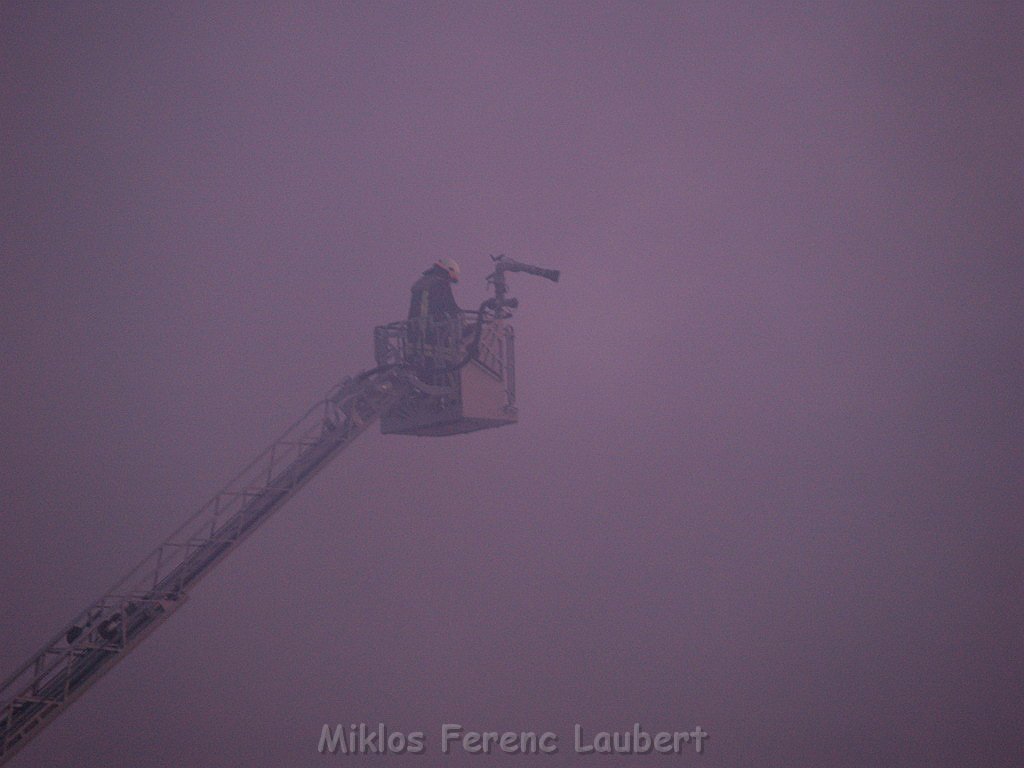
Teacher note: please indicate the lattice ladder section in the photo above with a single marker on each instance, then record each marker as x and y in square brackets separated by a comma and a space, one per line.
[102, 634]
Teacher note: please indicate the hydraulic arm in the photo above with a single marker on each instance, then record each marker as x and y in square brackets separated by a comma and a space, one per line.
[102, 634]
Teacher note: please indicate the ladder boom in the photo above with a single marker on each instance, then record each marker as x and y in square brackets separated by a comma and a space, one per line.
[102, 634]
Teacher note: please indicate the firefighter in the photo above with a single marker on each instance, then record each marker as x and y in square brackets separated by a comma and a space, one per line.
[435, 322]
[432, 294]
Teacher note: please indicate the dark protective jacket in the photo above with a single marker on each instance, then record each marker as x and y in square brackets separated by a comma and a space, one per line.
[432, 296]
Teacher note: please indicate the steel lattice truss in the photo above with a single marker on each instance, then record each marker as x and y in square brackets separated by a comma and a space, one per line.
[103, 633]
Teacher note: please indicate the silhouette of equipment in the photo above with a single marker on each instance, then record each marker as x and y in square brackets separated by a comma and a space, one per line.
[433, 378]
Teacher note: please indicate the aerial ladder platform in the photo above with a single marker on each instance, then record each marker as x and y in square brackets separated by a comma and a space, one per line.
[434, 377]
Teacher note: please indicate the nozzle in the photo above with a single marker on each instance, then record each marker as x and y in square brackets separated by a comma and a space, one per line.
[511, 265]
[550, 274]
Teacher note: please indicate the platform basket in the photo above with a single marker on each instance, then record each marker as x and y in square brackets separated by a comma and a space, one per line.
[460, 392]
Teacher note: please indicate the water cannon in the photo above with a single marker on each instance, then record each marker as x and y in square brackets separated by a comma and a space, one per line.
[502, 264]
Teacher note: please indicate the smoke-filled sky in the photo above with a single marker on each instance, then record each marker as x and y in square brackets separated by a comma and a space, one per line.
[768, 472]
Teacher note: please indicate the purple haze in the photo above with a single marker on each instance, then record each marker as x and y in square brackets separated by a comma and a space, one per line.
[768, 473]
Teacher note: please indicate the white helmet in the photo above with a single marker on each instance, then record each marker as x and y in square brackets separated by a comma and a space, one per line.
[451, 266]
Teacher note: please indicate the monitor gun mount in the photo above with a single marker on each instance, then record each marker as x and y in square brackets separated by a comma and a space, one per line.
[500, 304]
